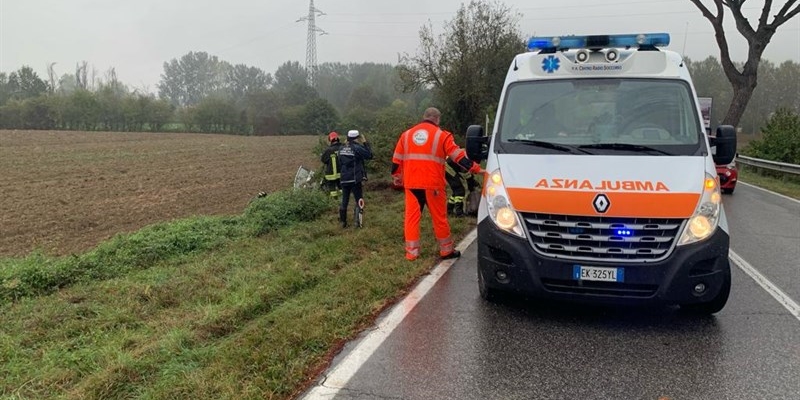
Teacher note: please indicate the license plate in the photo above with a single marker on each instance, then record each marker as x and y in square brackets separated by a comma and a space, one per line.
[602, 274]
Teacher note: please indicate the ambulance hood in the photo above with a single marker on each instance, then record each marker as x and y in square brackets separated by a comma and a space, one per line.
[604, 186]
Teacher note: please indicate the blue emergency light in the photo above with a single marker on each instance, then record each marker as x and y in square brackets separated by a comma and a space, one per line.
[557, 43]
[624, 232]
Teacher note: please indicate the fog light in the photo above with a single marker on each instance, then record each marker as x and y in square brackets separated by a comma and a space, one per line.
[700, 288]
[501, 276]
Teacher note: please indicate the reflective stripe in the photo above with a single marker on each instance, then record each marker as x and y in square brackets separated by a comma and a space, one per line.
[446, 246]
[412, 249]
[334, 175]
[435, 146]
[454, 154]
[425, 157]
[420, 157]
[404, 139]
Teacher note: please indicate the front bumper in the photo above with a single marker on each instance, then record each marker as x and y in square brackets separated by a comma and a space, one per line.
[670, 281]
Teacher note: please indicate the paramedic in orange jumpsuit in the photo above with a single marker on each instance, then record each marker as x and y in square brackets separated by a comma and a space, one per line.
[418, 165]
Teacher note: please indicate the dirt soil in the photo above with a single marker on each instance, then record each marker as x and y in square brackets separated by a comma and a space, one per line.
[65, 192]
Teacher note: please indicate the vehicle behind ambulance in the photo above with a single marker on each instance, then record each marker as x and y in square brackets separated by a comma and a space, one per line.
[601, 183]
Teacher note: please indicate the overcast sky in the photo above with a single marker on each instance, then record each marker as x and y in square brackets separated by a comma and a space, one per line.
[137, 37]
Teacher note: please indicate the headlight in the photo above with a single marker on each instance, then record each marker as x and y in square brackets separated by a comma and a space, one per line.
[500, 210]
[706, 217]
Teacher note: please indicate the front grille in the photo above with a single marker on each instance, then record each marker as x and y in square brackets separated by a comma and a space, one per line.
[602, 238]
[600, 288]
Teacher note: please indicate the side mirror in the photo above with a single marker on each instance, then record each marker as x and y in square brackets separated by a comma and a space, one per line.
[725, 142]
[477, 143]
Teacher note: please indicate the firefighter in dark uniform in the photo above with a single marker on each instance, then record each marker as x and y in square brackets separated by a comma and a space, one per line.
[455, 176]
[330, 159]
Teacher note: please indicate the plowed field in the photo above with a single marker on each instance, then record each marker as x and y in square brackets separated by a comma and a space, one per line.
[64, 192]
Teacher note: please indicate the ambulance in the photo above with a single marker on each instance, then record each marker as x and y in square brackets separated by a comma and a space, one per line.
[600, 181]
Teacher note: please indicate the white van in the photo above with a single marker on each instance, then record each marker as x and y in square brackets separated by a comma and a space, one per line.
[601, 183]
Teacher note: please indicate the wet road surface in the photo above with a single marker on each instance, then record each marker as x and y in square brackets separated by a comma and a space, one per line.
[454, 345]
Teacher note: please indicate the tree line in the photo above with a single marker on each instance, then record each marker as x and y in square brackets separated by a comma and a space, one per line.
[201, 93]
[460, 71]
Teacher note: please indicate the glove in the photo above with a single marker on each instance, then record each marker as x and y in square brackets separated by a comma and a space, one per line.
[476, 169]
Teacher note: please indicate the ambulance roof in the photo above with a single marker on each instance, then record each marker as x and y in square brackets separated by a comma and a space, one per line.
[598, 56]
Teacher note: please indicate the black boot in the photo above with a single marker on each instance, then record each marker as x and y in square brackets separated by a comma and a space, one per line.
[450, 207]
[343, 218]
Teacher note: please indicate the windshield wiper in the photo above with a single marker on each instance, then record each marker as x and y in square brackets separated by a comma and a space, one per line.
[550, 145]
[625, 146]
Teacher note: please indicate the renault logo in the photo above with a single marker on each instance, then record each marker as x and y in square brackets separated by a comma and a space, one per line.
[601, 203]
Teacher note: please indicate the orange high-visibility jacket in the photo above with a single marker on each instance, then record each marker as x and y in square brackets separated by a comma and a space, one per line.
[420, 154]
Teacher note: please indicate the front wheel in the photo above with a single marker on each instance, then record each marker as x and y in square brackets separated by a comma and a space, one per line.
[727, 191]
[717, 303]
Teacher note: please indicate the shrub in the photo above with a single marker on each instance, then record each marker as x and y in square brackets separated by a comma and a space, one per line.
[280, 209]
[781, 140]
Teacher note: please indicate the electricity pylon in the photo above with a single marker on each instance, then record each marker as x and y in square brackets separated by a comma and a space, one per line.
[311, 46]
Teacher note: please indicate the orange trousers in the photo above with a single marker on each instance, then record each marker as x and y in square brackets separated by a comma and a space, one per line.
[436, 200]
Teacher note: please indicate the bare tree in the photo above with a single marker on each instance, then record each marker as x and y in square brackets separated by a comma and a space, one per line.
[93, 84]
[81, 75]
[52, 77]
[744, 81]
[466, 65]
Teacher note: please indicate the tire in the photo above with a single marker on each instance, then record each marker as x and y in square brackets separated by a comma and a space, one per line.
[717, 303]
[489, 294]
[728, 191]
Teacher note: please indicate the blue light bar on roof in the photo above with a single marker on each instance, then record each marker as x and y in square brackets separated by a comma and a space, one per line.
[555, 43]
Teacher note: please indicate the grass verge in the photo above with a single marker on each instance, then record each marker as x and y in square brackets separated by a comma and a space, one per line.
[784, 185]
[251, 310]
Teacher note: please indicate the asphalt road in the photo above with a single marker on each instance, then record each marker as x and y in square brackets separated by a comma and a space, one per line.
[453, 345]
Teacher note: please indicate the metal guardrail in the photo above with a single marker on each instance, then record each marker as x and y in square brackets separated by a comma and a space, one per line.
[770, 165]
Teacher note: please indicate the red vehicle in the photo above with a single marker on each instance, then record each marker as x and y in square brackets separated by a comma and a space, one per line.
[728, 175]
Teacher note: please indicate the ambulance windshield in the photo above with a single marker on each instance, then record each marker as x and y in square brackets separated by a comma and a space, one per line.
[600, 116]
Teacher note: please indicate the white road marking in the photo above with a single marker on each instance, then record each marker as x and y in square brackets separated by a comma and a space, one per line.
[765, 283]
[769, 191]
[340, 374]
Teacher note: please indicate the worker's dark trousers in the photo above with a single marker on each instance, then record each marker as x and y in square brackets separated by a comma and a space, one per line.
[347, 188]
[455, 202]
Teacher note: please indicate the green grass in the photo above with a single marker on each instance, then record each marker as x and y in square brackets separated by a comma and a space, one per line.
[784, 185]
[223, 308]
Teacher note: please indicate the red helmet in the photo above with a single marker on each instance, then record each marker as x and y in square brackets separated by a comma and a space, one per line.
[333, 136]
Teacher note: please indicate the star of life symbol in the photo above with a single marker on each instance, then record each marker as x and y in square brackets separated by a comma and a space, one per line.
[601, 203]
[550, 64]
[420, 137]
